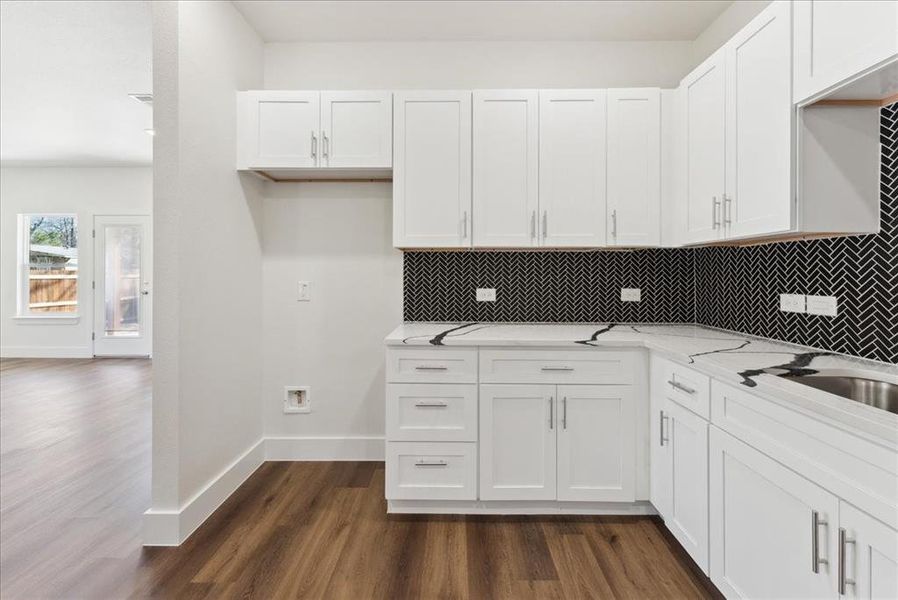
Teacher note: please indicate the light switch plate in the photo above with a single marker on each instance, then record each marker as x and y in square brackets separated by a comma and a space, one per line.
[304, 291]
[823, 305]
[630, 294]
[486, 294]
[792, 303]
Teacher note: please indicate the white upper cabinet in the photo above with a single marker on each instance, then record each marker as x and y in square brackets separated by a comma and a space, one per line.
[278, 129]
[571, 168]
[759, 125]
[356, 130]
[506, 168]
[432, 169]
[634, 167]
[704, 133]
[834, 41]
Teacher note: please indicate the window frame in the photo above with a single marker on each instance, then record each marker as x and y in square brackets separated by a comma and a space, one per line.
[23, 271]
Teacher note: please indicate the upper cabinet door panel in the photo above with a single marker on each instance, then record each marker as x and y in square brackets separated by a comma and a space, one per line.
[506, 164]
[356, 129]
[280, 129]
[759, 126]
[704, 103]
[837, 40]
[634, 167]
[432, 169]
[572, 167]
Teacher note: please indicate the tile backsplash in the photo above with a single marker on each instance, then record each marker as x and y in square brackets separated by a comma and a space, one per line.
[730, 287]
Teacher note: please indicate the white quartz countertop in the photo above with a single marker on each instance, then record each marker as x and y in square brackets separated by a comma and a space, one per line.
[735, 358]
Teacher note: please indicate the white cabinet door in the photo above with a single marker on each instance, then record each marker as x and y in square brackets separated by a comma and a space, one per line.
[837, 40]
[571, 168]
[278, 129]
[634, 167]
[517, 442]
[356, 129]
[661, 482]
[765, 542]
[686, 435]
[596, 443]
[759, 126]
[868, 556]
[506, 168]
[704, 126]
[432, 169]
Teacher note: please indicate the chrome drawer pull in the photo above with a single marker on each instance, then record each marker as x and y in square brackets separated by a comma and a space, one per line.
[557, 369]
[661, 424]
[816, 561]
[844, 540]
[680, 386]
[431, 463]
[431, 404]
[426, 368]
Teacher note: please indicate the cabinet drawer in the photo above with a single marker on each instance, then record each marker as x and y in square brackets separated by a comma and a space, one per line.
[687, 387]
[556, 366]
[858, 470]
[431, 365]
[431, 471]
[431, 412]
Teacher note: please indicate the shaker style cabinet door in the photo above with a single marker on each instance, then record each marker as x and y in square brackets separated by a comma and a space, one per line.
[837, 40]
[634, 167]
[356, 129]
[517, 442]
[868, 556]
[571, 168]
[278, 129]
[704, 127]
[432, 169]
[506, 168]
[758, 197]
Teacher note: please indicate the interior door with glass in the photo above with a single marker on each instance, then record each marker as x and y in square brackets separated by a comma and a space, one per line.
[122, 269]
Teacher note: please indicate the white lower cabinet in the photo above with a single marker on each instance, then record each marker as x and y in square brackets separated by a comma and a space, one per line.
[774, 534]
[431, 471]
[868, 556]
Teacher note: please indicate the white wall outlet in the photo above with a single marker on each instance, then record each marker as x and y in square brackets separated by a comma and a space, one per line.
[486, 294]
[304, 291]
[296, 399]
[631, 295]
[823, 305]
[792, 303]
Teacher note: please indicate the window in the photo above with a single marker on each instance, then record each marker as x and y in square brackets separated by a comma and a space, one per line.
[48, 265]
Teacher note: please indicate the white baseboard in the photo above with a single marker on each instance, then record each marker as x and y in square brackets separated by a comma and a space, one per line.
[502, 507]
[324, 448]
[46, 352]
[172, 528]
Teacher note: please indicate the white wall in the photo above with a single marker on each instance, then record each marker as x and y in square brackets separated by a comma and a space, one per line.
[724, 27]
[81, 190]
[207, 422]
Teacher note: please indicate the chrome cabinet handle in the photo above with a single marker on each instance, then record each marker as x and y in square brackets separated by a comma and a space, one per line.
[432, 463]
[715, 212]
[556, 368]
[314, 145]
[464, 225]
[727, 210]
[680, 386]
[431, 404]
[545, 224]
[564, 413]
[614, 223]
[325, 146]
[533, 225]
[661, 429]
[844, 540]
[815, 542]
[551, 413]
[430, 368]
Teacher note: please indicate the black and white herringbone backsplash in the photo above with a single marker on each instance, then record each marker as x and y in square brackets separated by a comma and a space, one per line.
[728, 287]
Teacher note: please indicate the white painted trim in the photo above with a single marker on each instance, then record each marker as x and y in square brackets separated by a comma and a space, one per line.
[172, 528]
[324, 448]
[517, 507]
[46, 352]
[67, 319]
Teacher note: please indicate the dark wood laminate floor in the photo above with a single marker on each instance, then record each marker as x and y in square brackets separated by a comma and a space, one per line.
[75, 479]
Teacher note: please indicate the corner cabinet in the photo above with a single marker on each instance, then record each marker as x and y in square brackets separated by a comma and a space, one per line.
[432, 169]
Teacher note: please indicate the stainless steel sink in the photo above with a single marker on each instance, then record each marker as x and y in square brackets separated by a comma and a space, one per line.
[872, 392]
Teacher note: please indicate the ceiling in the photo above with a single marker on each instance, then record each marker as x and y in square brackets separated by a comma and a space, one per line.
[66, 69]
[501, 20]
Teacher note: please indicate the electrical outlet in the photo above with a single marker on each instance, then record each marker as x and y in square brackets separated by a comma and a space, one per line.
[304, 291]
[823, 305]
[630, 294]
[486, 294]
[794, 303]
